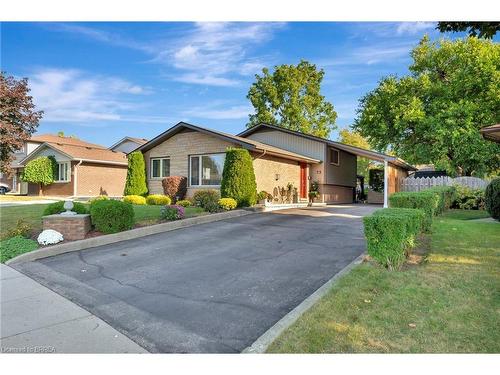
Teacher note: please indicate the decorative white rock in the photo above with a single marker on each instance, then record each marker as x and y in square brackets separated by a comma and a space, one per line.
[68, 206]
[49, 237]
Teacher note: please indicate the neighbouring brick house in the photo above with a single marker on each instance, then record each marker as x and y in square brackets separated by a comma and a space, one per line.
[279, 157]
[84, 169]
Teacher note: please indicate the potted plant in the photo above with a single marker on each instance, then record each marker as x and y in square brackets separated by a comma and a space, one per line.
[313, 191]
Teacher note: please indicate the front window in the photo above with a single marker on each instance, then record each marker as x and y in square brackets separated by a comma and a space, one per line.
[206, 170]
[62, 173]
[160, 167]
[334, 156]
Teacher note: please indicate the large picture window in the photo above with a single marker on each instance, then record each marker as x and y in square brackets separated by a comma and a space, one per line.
[62, 174]
[160, 167]
[206, 170]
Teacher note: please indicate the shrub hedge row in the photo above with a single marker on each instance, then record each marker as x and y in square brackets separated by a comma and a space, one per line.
[390, 234]
[426, 200]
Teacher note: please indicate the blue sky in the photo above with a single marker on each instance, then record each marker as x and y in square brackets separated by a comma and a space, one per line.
[103, 81]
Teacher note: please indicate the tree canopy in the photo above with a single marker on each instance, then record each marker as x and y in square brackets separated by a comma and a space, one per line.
[18, 118]
[434, 114]
[290, 97]
[480, 29]
[41, 170]
[356, 139]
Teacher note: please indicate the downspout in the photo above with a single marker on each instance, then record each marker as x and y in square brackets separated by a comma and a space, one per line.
[261, 155]
[75, 184]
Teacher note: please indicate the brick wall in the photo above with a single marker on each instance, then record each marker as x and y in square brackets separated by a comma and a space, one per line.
[178, 148]
[72, 228]
[266, 168]
[100, 179]
[57, 189]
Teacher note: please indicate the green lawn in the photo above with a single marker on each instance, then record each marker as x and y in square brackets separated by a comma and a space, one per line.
[32, 214]
[450, 303]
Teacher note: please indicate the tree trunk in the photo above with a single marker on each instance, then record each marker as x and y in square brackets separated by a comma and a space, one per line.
[40, 191]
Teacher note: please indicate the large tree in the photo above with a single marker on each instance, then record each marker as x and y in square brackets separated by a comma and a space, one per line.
[434, 114]
[354, 138]
[18, 118]
[479, 29]
[290, 97]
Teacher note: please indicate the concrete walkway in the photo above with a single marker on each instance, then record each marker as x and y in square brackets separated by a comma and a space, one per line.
[35, 319]
[14, 203]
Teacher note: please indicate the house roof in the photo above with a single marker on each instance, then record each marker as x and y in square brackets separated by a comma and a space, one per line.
[373, 155]
[139, 141]
[89, 154]
[491, 133]
[243, 142]
[51, 138]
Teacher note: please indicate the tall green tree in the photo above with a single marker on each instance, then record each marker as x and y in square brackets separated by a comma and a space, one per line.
[238, 177]
[290, 97]
[356, 139]
[434, 114]
[480, 29]
[41, 171]
[136, 175]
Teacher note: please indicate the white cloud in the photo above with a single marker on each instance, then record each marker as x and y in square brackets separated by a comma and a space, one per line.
[212, 112]
[69, 95]
[217, 53]
[413, 28]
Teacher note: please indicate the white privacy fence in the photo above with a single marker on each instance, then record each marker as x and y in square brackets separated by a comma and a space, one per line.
[422, 183]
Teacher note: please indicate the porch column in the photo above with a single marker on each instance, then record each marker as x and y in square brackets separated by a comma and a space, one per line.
[386, 183]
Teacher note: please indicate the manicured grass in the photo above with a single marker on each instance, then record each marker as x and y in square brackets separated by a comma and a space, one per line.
[32, 214]
[450, 303]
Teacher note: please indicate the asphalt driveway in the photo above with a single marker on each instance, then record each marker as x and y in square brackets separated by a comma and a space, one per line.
[208, 288]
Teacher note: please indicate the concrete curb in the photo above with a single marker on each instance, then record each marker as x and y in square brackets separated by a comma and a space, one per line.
[123, 236]
[262, 343]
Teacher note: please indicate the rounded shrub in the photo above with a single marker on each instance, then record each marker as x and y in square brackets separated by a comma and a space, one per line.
[173, 212]
[112, 216]
[175, 187]
[99, 198]
[208, 199]
[134, 199]
[227, 204]
[238, 177]
[492, 198]
[136, 175]
[158, 200]
[58, 207]
[184, 203]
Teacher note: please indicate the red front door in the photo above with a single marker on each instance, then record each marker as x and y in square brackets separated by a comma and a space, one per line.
[303, 180]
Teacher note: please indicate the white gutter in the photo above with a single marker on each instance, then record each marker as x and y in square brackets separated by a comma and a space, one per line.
[261, 155]
[75, 174]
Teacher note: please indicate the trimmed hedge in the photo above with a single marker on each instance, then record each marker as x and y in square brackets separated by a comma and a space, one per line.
[112, 216]
[58, 207]
[134, 199]
[227, 204]
[136, 175]
[238, 177]
[446, 196]
[390, 234]
[426, 200]
[492, 198]
[158, 200]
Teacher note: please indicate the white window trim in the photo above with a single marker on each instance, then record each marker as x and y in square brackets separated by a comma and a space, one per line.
[68, 172]
[161, 169]
[330, 156]
[200, 170]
